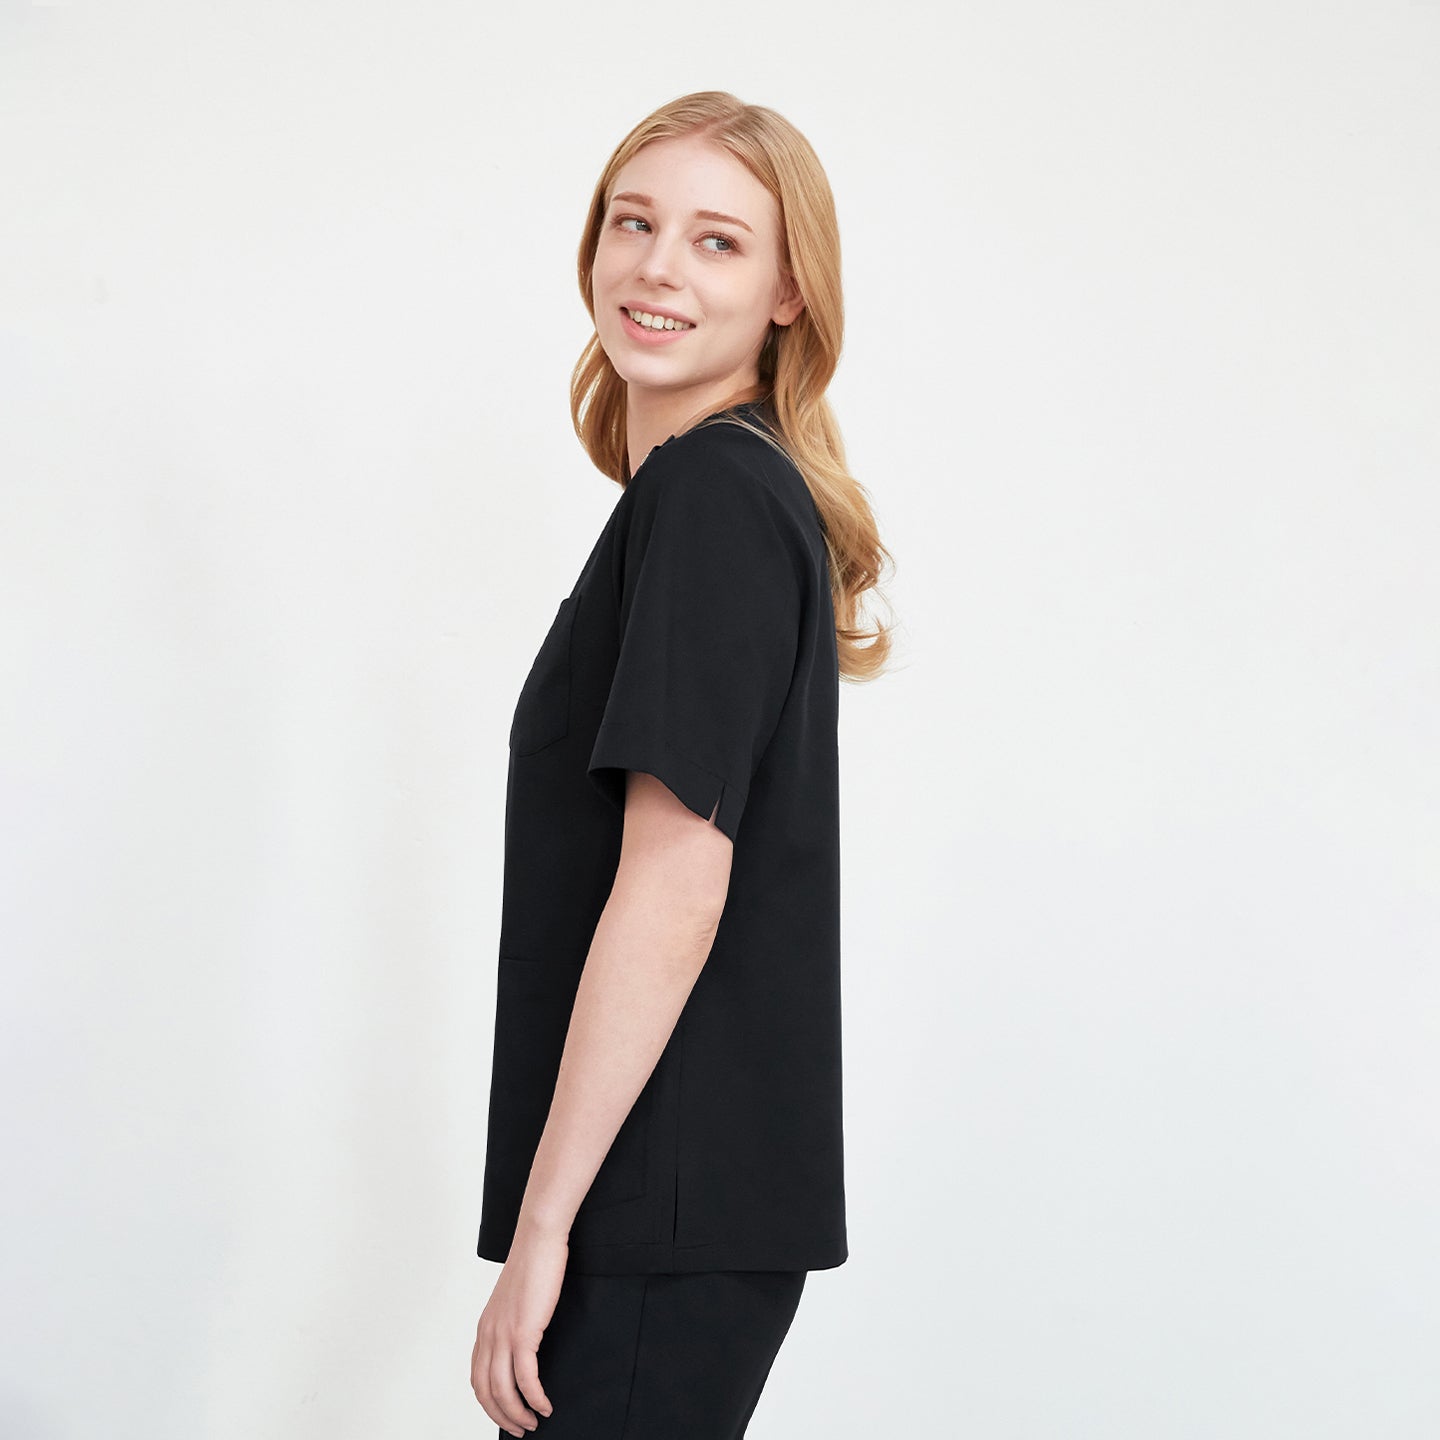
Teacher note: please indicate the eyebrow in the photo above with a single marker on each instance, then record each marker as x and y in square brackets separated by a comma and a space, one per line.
[636, 198]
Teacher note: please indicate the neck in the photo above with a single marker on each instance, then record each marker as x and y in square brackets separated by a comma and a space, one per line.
[653, 416]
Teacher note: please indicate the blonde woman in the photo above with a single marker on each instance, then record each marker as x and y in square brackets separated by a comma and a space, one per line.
[664, 1161]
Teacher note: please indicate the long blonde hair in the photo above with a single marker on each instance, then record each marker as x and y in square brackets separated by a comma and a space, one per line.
[796, 362]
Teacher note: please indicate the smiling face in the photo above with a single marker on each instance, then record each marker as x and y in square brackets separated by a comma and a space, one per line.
[691, 238]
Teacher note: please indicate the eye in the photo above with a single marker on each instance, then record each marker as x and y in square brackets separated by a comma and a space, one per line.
[727, 245]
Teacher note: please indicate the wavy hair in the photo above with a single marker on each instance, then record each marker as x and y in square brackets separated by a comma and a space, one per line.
[796, 362]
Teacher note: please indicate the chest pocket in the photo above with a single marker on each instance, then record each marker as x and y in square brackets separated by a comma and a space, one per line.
[542, 715]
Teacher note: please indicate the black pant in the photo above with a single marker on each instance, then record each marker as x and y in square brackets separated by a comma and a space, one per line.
[662, 1357]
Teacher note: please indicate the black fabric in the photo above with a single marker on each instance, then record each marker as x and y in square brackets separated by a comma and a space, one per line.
[697, 645]
[658, 1357]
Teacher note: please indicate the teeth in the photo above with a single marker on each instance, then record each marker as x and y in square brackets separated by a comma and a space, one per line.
[657, 322]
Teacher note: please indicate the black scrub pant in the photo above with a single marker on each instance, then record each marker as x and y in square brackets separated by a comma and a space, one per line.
[662, 1357]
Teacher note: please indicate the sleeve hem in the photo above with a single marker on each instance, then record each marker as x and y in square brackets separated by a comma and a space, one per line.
[620, 747]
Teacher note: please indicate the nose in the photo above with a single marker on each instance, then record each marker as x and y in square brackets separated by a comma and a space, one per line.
[661, 262]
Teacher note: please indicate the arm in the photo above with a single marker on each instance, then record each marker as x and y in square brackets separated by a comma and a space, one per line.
[652, 941]
[650, 945]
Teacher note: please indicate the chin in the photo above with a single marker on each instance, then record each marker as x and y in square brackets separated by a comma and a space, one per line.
[660, 372]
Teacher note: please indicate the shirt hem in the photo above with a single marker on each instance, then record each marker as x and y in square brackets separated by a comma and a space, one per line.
[664, 1258]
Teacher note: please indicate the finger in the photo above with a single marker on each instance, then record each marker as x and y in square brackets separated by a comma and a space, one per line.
[479, 1368]
[488, 1404]
[527, 1376]
[498, 1416]
[502, 1387]
[481, 1362]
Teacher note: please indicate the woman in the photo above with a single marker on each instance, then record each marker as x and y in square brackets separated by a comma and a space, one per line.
[665, 1153]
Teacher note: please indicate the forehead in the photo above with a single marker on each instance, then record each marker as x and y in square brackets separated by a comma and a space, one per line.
[683, 175]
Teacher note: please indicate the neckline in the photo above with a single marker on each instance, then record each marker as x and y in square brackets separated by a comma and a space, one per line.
[748, 408]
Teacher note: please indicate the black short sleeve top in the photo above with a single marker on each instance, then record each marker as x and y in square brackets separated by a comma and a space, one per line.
[697, 645]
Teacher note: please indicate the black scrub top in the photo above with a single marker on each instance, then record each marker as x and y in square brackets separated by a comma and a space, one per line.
[697, 645]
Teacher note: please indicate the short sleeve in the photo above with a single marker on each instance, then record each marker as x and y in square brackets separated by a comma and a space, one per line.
[710, 592]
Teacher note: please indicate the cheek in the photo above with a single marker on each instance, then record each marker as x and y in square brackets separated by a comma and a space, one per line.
[742, 311]
[607, 266]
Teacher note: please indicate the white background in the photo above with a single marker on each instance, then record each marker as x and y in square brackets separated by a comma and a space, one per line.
[1141, 834]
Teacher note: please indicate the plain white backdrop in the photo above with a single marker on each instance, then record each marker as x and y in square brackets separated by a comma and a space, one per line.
[1141, 835]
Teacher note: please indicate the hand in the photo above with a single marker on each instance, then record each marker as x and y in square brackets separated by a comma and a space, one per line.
[504, 1372]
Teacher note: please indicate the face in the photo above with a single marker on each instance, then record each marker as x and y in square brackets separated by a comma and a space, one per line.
[660, 254]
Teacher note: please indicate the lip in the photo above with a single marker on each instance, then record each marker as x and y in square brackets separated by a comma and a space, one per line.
[642, 336]
[656, 310]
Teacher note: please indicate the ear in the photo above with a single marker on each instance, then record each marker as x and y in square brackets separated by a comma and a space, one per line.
[790, 304]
